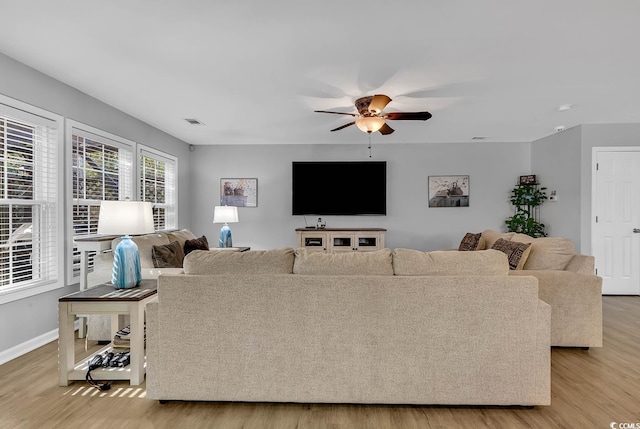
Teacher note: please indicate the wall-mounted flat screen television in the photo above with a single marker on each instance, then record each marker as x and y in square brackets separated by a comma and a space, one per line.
[339, 188]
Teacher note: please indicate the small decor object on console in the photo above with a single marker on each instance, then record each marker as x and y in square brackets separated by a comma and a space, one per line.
[528, 180]
[225, 214]
[125, 218]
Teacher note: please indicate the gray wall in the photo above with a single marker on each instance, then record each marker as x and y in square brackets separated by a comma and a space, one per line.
[38, 315]
[556, 162]
[493, 169]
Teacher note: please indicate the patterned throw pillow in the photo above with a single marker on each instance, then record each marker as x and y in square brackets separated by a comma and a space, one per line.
[196, 244]
[516, 252]
[167, 255]
[470, 241]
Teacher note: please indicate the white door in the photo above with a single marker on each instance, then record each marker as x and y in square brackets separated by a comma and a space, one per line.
[616, 231]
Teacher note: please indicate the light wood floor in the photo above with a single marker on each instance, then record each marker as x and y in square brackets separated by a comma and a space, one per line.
[590, 389]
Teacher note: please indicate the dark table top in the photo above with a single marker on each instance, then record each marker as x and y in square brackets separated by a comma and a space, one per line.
[106, 292]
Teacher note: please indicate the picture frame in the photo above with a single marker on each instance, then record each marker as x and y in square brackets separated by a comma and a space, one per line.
[448, 191]
[239, 192]
[528, 180]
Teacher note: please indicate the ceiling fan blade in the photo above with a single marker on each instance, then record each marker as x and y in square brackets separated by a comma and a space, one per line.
[407, 116]
[386, 129]
[378, 103]
[336, 113]
[344, 126]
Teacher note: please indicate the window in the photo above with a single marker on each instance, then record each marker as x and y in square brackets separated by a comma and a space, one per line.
[158, 186]
[102, 169]
[30, 217]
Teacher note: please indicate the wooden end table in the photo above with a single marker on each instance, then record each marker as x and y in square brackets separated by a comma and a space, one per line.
[104, 299]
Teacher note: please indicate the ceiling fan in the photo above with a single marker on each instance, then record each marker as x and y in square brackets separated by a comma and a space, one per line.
[370, 117]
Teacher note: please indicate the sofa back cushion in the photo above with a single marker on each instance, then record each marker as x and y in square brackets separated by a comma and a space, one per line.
[550, 253]
[344, 263]
[409, 262]
[181, 236]
[205, 262]
[145, 245]
[490, 236]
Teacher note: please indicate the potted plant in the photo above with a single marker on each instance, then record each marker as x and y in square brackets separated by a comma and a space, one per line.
[526, 198]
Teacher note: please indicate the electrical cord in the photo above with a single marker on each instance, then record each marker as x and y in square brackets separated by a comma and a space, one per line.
[96, 362]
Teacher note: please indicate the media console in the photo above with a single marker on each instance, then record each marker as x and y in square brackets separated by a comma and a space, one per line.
[332, 240]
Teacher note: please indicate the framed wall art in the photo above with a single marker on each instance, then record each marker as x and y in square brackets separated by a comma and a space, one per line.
[239, 192]
[448, 191]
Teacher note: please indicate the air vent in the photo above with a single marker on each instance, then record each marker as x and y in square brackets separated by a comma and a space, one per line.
[193, 121]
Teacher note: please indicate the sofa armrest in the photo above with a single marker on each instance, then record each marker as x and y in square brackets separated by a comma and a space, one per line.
[582, 264]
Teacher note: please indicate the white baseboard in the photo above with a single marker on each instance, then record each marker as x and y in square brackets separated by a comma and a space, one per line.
[30, 345]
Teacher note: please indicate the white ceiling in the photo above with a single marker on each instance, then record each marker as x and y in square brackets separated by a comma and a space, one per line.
[253, 71]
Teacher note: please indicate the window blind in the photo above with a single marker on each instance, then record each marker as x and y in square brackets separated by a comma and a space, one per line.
[29, 199]
[158, 186]
[102, 169]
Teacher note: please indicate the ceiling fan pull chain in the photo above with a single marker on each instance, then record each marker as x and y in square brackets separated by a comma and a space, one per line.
[369, 145]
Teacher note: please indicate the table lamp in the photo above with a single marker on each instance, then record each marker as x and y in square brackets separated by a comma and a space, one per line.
[225, 214]
[125, 218]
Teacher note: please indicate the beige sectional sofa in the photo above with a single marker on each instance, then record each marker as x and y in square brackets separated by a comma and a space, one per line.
[566, 281]
[402, 327]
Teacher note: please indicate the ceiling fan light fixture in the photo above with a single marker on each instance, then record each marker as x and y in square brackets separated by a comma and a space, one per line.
[369, 124]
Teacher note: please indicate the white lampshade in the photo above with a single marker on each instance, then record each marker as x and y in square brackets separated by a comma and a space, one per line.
[125, 218]
[225, 214]
[369, 124]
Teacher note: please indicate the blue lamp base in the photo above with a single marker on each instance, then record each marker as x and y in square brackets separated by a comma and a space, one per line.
[126, 265]
[225, 236]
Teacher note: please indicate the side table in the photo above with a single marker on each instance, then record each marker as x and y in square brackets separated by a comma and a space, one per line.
[104, 299]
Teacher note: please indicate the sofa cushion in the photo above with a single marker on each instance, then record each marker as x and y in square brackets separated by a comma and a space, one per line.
[490, 236]
[550, 253]
[145, 243]
[344, 263]
[196, 244]
[167, 255]
[409, 262]
[181, 236]
[470, 241]
[204, 262]
[516, 252]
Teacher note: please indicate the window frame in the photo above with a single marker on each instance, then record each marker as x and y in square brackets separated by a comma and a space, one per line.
[130, 193]
[165, 157]
[29, 290]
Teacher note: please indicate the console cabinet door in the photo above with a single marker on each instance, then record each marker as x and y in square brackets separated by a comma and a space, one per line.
[342, 242]
[368, 242]
[313, 241]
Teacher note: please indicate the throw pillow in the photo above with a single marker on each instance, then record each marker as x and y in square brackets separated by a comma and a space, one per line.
[516, 252]
[196, 244]
[470, 241]
[167, 255]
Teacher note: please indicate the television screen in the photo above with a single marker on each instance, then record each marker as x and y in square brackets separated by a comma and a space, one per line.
[339, 188]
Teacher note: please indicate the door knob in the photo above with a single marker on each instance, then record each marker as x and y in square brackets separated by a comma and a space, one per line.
[636, 230]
